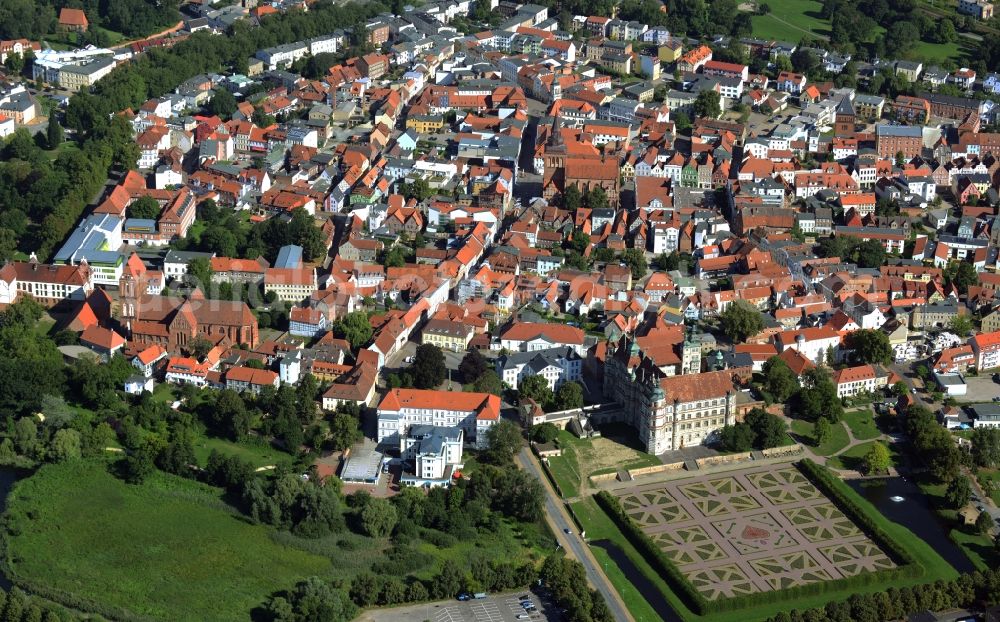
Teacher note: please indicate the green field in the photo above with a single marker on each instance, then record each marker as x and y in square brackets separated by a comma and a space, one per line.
[854, 457]
[862, 424]
[257, 455]
[790, 20]
[169, 549]
[173, 549]
[837, 440]
[600, 527]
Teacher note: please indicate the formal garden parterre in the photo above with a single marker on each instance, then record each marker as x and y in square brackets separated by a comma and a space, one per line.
[753, 531]
[763, 534]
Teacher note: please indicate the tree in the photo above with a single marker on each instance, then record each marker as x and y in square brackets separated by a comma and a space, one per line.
[15, 63]
[635, 259]
[596, 198]
[53, 133]
[818, 397]
[569, 395]
[355, 328]
[200, 347]
[682, 122]
[961, 325]
[504, 440]
[315, 599]
[870, 254]
[66, 445]
[984, 523]
[571, 198]
[669, 262]
[222, 103]
[138, 464]
[488, 382]
[428, 368]
[962, 275]
[821, 431]
[345, 431]
[768, 430]
[779, 380]
[986, 447]
[958, 493]
[738, 437]
[378, 517]
[870, 346]
[900, 388]
[473, 365]
[537, 388]
[741, 321]
[261, 118]
[877, 460]
[25, 434]
[707, 105]
[544, 432]
[144, 207]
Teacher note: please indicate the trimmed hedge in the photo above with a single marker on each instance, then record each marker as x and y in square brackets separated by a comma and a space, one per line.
[687, 592]
[837, 492]
[906, 565]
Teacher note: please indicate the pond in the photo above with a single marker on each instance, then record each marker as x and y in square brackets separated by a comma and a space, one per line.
[915, 513]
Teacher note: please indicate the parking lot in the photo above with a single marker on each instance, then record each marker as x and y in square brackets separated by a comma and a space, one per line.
[494, 608]
[981, 389]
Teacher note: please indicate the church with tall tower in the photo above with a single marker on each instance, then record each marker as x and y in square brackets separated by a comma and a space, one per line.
[579, 164]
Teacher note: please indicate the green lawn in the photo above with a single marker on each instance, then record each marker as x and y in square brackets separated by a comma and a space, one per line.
[862, 424]
[837, 440]
[258, 455]
[790, 20]
[565, 472]
[854, 457]
[987, 476]
[979, 549]
[168, 549]
[599, 527]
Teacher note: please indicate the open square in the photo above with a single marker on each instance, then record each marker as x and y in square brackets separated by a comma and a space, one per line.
[753, 530]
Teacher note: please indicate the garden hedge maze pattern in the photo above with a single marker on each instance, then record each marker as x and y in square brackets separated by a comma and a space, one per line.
[750, 531]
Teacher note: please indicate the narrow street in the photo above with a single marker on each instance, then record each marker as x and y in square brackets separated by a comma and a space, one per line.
[559, 520]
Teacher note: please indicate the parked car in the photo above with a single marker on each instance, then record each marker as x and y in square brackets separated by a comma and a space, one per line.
[463, 597]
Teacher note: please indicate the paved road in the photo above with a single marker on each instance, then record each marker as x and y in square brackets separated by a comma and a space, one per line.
[559, 520]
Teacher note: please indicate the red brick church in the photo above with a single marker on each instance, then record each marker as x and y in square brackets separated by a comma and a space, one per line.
[172, 322]
[579, 165]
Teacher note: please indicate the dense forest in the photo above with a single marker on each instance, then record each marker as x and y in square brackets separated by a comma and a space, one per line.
[34, 19]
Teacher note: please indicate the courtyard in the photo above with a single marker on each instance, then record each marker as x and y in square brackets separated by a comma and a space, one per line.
[754, 530]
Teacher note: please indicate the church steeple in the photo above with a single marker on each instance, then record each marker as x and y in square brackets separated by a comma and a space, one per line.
[555, 135]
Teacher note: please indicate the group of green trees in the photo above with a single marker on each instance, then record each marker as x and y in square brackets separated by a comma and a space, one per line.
[35, 19]
[867, 254]
[16, 606]
[228, 235]
[478, 374]
[568, 395]
[42, 199]
[814, 399]
[160, 70]
[972, 590]
[932, 444]
[758, 430]
[740, 321]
